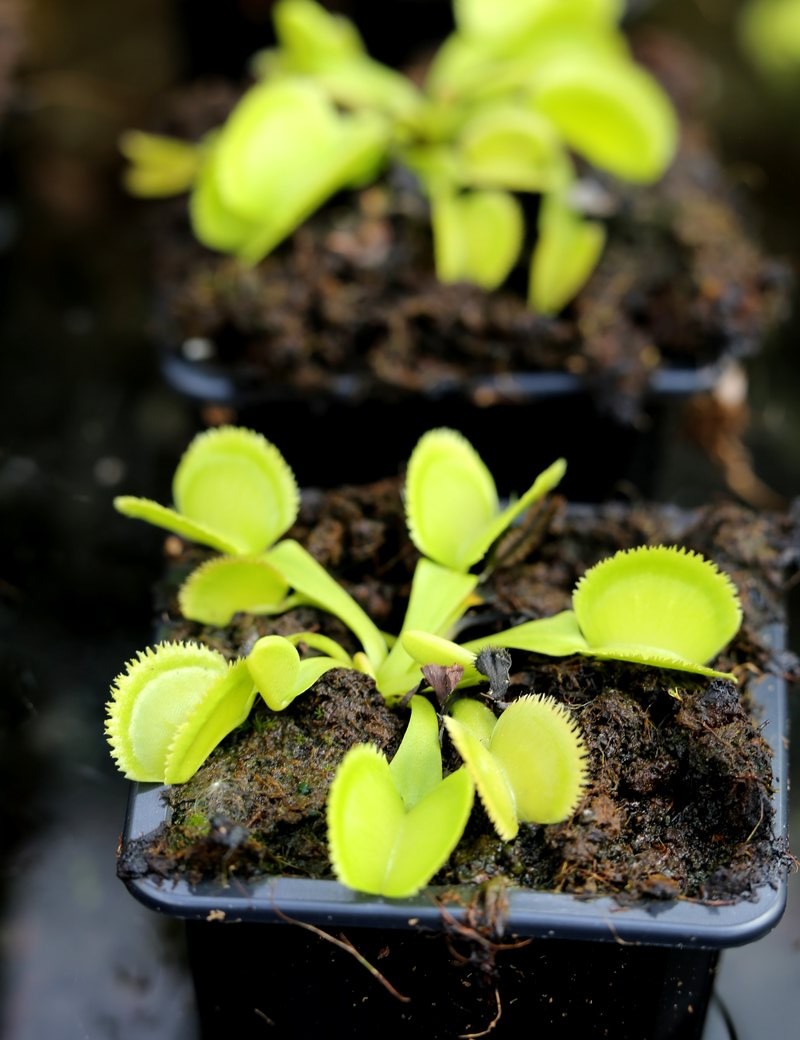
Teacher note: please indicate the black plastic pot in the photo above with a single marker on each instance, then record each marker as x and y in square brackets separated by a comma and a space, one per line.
[560, 965]
[359, 432]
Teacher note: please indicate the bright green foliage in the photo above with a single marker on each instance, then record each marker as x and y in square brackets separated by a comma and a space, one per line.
[439, 597]
[314, 583]
[232, 491]
[657, 600]
[613, 114]
[170, 709]
[508, 18]
[280, 674]
[769, 33]
[477, 235]
[231, 515]
[391, 826]
[159, 165]
[654, 605]
[566, 252]
[452, 506]
[511, 94]
[223, 586]
[246, 202]
[528, 765]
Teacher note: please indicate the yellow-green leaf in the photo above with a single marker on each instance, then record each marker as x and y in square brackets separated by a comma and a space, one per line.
[167, 690]
[227, 585]
[225, 706]
[505, 146]
[490, 780]
[280, 674]
[567, 251]
[235, 481]
[614, 113]
[539, 746]
[159, 165]
[375, 845]
[661, 599]
[477, 235]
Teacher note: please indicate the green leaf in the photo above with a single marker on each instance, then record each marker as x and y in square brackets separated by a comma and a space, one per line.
[657, 601]
[327, 48]
[493, 787]
[313, 36]
[505, 146]
[214, 221]
[280, 674]
[417, 765]
[159, 165]
[508, 18]
[327, 646]
[430, 649]
[540, 749]
[529, 766]
[366, 84]
[769, 34]
[170, 707]
[283, 151]
[567, 251]
[655, 657]
[452, 506]
[225, 706]
[613, 113]
[232, 490]
[168, 519]
[438, 598]
[451, 498]
[477, 235]
[556, 636]
[225, 586]
[546, 481]
[375, 845]
[477, 716]
[309, 578]
[235, 481]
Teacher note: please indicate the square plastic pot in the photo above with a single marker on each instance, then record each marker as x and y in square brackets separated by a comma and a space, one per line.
[355, 433]
[559, 965]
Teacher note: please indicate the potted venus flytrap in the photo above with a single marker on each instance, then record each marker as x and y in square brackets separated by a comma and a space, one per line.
[398, 769]
[532, 216]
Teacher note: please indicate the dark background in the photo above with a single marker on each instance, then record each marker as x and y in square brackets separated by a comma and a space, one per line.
[84, 415]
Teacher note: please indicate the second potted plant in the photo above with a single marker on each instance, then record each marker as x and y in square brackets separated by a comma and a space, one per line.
[534, 221]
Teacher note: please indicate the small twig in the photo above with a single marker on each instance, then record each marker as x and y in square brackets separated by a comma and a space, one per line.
[750, 836]
[492, 1024]
[344, 944]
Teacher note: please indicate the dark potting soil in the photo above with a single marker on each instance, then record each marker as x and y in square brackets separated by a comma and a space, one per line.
[678, 800]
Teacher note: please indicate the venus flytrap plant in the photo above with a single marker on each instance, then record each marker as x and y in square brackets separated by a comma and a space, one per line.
[452, 505]
[453, 516]
[392, 825]
[511, 94]
[529, 765]
[234, 492]
[171, 707]
[654, 605]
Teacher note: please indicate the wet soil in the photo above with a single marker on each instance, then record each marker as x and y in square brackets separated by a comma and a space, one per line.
[678, 802]
[350, 304]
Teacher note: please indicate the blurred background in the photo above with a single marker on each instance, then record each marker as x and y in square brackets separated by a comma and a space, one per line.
[84, 415]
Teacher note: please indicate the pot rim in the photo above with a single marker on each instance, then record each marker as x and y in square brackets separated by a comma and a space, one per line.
[207, 380]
